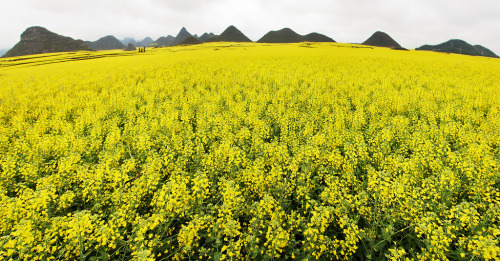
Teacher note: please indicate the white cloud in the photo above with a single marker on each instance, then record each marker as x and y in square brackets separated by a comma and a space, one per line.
[412, 23]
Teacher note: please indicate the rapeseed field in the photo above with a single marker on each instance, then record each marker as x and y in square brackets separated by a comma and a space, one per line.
[229, 151]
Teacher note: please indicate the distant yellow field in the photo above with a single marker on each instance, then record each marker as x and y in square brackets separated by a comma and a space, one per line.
[232, 151]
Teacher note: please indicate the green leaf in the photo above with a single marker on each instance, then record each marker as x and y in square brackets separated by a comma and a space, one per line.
[217, 256]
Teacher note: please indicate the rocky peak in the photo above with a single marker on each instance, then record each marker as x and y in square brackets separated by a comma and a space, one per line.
[181, 36]
[36, 40]
[34, 33]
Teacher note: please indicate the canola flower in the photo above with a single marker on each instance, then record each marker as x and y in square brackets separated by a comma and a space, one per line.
[230, 151]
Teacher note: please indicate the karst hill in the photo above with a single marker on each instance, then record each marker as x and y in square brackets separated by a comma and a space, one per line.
[37, 40]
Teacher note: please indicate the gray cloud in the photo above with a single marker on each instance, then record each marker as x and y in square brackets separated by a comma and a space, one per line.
[412, 23]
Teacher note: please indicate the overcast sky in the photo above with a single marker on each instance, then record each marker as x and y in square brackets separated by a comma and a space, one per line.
[411, 23]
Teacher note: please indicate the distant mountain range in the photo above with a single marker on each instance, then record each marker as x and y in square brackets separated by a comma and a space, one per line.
[163, 41]
[181, 36]
[3, 51]
[170, 40]
[287, 35]
[204, 37]
[106, 43]
[128, 40]
[460, 47]
[36, 40]
[145, 42]
[231, 34]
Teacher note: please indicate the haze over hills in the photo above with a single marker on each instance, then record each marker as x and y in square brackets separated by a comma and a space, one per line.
[460, 47]
[170, 40]
[181, 36]
[145, 42]
[382, 39]
[231, 34]
[36, 40]
[106, 43]
[3, 51]
[287, 35]
[128, 40]
[204, 37]
[163, 41]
